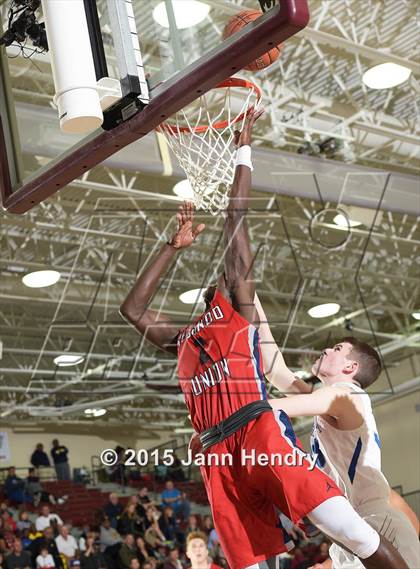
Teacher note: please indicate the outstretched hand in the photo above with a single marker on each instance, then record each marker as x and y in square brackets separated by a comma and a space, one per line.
[244, 138]
[186, 234]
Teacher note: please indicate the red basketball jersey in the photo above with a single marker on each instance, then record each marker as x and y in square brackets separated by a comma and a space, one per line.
[219, 364]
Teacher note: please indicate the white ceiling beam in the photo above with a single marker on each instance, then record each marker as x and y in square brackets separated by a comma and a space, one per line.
[371, 53]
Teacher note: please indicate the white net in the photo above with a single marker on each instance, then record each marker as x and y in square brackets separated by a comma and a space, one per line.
[202, 139]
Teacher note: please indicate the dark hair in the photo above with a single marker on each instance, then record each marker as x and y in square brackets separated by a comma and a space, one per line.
[368, 359]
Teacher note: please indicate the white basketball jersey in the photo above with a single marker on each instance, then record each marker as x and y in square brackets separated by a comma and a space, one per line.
[352, 458]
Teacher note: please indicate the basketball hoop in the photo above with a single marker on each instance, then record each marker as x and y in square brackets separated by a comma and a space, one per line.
[202, 139]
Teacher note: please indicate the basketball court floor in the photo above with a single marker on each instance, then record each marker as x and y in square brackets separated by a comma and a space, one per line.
[333, 221]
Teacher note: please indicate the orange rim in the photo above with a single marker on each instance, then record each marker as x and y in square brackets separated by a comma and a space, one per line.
[231, 82]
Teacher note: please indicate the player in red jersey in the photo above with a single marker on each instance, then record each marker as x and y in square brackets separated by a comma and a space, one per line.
[197, 551]
[222, 380]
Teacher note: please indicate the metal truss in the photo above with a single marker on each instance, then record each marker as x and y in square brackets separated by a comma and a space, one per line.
[102, 229]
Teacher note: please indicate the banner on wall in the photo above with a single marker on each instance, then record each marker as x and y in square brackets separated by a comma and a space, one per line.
[4, 446]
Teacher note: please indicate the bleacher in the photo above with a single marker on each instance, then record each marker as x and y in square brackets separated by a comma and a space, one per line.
[85, 502]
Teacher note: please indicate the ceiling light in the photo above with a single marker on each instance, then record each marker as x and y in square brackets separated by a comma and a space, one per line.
[416, 315]
[183, 189]
[385, 76]
[68, 360]
[323, 310]
[343, 221]
[187, 13]
[192, 296]
[39, 279]
[95, 412]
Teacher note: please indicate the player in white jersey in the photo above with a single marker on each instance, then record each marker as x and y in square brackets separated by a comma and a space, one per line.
[345, 436]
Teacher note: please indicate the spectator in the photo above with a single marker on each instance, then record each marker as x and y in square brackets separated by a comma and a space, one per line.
[184, 508]
[109, 537]
[322, 554]
[23, 522]
[197, 551]
[213, 539]
[172, 561]
[46, 519]
[133, 500]
[143, 551]
[92, 558]
[8, 520]
[83, 537]
[59, 455]
[143, 496]
[214, 545]
[8, 536]
[34, 489]
[45, 560]
[66, 544]
[152, 516]
[135, 563]
[167, 524]
[14, 488]
[171, 496]
[24, 536]
[117, 472]
[39, 457]
[127, 552]
[18, 558]
[129, 521]
[207, 525]
[192, 524]
[113, 509]
[34, 533]
[46, 541]
[153, 536]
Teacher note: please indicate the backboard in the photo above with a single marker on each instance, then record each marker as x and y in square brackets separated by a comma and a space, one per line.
[182, 56]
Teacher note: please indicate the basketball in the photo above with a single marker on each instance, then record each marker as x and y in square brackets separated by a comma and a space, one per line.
[240, 20]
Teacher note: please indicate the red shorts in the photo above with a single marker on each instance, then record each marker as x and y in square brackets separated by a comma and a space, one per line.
[245, 498]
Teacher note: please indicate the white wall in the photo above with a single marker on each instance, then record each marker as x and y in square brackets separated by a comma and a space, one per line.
[399, 430]
[81, 446]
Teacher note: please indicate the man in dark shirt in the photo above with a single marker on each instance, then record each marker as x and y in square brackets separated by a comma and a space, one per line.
[46, 541]
[59, 456]
[18, 558]
[39, 457]
[14, 488]
[92, 558]
[113, 509]
[172, 561]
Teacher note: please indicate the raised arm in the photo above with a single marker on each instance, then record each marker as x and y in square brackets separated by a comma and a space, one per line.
[275, 368]
[238, 257]
[156, 327]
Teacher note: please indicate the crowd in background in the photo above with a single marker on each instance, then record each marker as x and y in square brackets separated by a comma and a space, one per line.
[144, 533]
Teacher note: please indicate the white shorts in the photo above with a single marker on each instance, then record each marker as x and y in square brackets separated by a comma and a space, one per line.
[395, 527]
